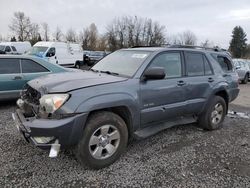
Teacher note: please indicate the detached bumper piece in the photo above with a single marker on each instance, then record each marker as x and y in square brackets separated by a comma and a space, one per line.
[50, 134]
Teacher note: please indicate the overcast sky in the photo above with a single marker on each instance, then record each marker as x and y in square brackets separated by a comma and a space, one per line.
[208, 19]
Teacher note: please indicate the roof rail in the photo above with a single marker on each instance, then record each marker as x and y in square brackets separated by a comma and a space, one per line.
[146, 46]
[216, 48]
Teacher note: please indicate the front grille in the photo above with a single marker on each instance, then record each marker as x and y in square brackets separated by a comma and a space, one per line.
[31, 95]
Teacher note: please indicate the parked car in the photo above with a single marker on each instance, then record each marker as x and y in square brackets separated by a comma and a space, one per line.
[131, 93]
[91, 57]
[14, 47]
[243, 69]
[61, 53]
[16, 71]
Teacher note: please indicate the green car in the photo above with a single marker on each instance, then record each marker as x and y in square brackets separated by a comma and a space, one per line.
[17, 70]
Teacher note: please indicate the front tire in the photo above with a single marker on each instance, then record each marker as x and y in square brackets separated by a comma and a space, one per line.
[245, 80]
[214, 115]
[104, 140]
[78, 65]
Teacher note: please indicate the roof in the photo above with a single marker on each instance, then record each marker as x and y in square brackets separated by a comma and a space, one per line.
[17, 56]
[35, 58]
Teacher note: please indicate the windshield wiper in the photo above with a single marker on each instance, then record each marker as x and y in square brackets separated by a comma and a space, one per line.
[108, 72]
[94, 70]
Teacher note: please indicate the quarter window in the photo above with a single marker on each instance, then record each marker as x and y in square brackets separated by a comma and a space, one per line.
[9, 66]
[171, 62]
[29, 66]
[224, 62]
[13, 48]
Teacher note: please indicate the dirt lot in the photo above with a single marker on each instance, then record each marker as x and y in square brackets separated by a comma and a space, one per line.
[183, 156]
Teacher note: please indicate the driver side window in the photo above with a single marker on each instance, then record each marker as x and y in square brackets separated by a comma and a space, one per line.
[171, 62]
[7, 49]
[51, 52]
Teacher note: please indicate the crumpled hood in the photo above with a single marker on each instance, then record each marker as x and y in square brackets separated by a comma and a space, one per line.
[64, 82]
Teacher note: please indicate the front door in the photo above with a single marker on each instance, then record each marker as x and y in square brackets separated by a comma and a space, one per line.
[10, 78]
[51, 55]
[164, 100]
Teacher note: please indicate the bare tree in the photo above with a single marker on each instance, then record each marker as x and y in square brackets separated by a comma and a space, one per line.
[111, 38]
[71, 35]
[185, 38]
[93, 37]
[207, 44]
[90, 37]
[101, 43]
[58, 34]
[21, 26]
[34, 33]
[45, 28]
[133, 31]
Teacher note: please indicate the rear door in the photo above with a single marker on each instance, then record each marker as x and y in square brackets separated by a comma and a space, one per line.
[31, 69]
[10, 78]
[163, 100]
[200, 80]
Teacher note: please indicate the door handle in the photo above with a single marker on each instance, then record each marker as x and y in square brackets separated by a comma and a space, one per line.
[210, 79]
[181, 83]
[17, 77]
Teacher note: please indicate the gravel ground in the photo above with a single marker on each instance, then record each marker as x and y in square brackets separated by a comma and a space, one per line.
[183, 156]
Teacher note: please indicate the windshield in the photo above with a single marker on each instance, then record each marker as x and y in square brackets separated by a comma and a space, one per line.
[2, 48]
[37, 50]
[123, 62]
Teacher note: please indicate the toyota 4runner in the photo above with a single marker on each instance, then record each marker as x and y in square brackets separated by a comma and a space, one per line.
[131, 93]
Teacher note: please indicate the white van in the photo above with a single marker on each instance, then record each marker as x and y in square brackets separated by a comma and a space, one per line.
[62, 53]
[14, 47]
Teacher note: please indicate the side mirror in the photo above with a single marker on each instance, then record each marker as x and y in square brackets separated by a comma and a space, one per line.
[154, 73]
[50, 54]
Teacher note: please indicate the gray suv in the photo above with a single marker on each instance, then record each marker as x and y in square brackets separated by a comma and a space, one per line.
[131, 93]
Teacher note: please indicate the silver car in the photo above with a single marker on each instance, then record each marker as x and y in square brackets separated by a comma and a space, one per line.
[243, 69]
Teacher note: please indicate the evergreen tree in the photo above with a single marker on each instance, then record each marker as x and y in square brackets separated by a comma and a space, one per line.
[238, 43]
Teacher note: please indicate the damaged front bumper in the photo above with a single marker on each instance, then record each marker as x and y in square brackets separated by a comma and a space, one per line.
[62, 133]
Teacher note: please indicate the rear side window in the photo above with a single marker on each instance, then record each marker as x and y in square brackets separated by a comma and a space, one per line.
[171, 62]
[207, 67]
[197, 64]
[224, 62]
[9, 66]
[29, 66]
[194, 64]
[13, 48]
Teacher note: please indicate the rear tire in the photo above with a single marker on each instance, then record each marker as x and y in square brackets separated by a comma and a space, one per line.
[212, 118]
[104, 140]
